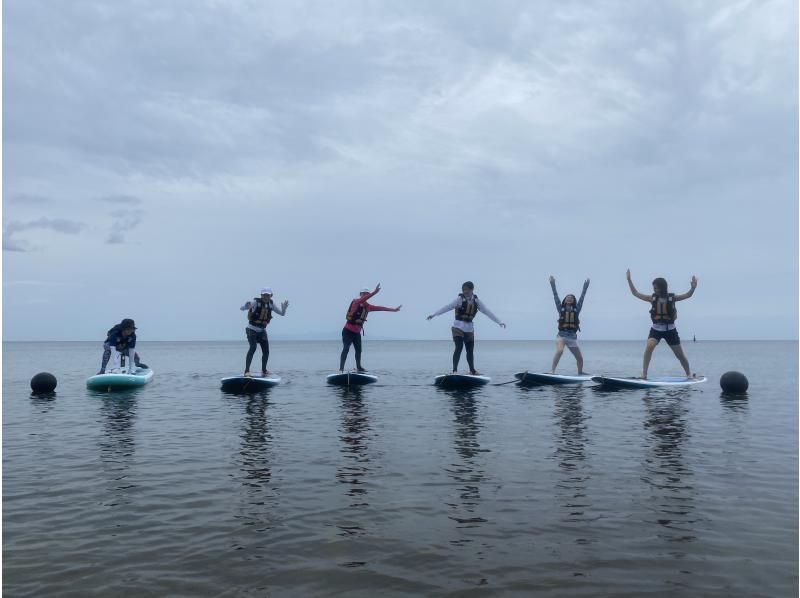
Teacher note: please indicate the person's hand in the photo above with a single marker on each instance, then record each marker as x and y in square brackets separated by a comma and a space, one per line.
[377, 287]
[502, 325]
[398, 307]
[552, 280]
[285, 304]
[586, 282]
[628, 274]
[429, 317]
[694, 281]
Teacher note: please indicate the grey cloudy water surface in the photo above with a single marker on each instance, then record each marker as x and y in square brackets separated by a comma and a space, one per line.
[179, 489]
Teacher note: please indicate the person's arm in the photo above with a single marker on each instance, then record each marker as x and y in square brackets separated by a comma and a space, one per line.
[482, 308]
[583, 294]
[366, 298]
[280, 309]
[452, 305]
[555, 294]
[246, 306]
[690, 292]
[381, 308]
[636, 293]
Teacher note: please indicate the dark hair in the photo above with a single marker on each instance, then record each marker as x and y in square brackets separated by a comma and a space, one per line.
[468, 285]
[661, 286]
[127, 323]
[564, 300]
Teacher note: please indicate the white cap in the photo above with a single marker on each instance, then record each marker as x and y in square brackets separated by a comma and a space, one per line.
[266, 291]
[364, 290]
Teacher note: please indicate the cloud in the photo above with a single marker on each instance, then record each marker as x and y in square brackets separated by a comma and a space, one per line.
[27, 199]
[127, 200]
[59, 225]
[124, 222]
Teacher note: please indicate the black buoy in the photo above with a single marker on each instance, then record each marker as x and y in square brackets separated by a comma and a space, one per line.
[734, 382]
[43, 382]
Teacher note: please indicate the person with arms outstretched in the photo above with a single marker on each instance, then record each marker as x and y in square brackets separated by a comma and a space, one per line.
[568, 325]
[259, 315]
[663, 315]
[466, 306]
[356, 315]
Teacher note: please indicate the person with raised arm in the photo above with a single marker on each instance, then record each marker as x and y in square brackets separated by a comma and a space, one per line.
[466, 306]
[568, 325]
[663, 315]
[354, 326]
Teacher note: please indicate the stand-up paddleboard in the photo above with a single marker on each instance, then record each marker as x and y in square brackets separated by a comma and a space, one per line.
[460, 381]
[658, 381]
[249, 383]
[537, 379]
[351, 379]
[120, 380]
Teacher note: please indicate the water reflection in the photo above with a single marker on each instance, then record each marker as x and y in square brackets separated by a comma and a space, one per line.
[467, 471]
[117, 442]
[734, 402]
[571, 453]
[354, 434]
[665, 469]
[45, 401]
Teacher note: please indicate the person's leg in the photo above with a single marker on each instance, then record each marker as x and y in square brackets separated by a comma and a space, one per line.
[264, 342]
[347, 340]
[648, 353]
[458, 340]
[674, 342]
[576, 351]
[252, 351]
[469, 343]
[106, 357]
[357, 347]
[560, 342]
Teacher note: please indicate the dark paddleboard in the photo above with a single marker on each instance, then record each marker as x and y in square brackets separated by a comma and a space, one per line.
[249, 383]
[351, 379]
[658, 381]
[536, 379]
[461, 381]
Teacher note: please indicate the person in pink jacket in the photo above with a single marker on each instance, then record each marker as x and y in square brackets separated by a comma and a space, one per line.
[356, 316]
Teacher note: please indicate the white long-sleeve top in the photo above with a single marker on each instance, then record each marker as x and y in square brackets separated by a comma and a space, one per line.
[467, 326]
[275, 309]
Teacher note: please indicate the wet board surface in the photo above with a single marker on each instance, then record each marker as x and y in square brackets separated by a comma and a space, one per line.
[351, 379]
[249, 383]
[657, 381]
[461, 381]
[119, 380]
[536, 378]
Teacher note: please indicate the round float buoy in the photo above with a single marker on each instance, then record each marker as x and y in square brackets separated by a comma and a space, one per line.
[43, 382]
[734, 382]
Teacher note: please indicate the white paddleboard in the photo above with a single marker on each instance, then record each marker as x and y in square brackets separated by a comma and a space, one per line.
[249, 383]
[120, 380]
[657, 381]
[537, 378]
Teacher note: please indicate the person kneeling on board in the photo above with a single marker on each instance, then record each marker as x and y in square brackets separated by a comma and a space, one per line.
[259, 315]
[663, 315]
[568, 325]
[354, 326]
[466, 306]
[121, 338]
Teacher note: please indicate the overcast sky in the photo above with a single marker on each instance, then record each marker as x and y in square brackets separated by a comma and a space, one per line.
[163, 160]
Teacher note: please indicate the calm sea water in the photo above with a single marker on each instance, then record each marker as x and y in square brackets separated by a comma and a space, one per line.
[400, 488]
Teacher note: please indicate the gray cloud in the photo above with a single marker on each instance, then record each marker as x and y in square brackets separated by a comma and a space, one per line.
[124, 222]
[127, 200]
[59, 225]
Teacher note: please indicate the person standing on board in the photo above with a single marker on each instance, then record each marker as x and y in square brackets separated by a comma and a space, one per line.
[122, 338]
[354, 326]
[259, 315]
[568, 325]
[466, 306]
[663, 315]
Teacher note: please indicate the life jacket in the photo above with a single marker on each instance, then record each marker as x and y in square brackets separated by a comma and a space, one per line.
[121, 343]
[467, 311]
[357, 315]
[568, 319]
[663, 312]
[260, 313]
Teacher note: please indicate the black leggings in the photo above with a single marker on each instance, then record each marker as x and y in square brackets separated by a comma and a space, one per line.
[350, 338]
[459, 341]
[255, 339]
